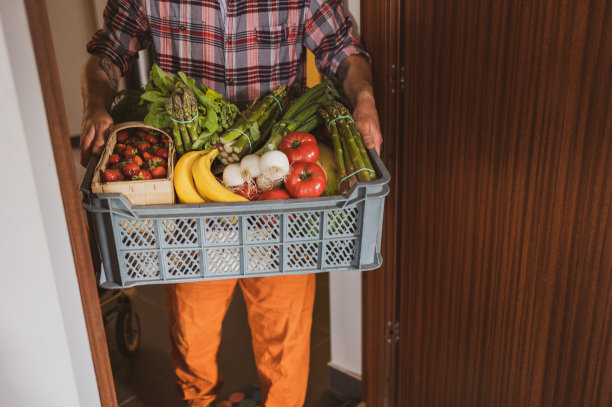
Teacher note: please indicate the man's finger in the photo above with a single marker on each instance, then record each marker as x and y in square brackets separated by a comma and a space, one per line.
[86, 141]
[100, 139]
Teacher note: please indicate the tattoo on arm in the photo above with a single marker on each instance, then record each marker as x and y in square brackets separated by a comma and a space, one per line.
[109, 69]
[343, 70]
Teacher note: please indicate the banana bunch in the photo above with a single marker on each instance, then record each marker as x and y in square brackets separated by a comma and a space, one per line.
[195, 183]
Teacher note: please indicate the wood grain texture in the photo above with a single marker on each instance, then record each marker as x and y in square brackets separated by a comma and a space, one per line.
[40, 31]
[505, 271]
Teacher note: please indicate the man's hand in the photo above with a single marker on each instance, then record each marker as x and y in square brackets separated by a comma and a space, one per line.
[94, 132]
[366, 121]
[356, 77]
[99, 82]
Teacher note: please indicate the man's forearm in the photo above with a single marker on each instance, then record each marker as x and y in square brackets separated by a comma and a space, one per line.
[99, 82]
[356, 77]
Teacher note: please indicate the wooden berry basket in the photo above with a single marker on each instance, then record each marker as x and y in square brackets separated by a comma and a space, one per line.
[140, 192]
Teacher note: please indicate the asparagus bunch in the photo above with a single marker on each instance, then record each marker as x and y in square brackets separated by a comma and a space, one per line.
[253, 127]
[352, 158]
[302, 115]
[196, 116]
[182, 107]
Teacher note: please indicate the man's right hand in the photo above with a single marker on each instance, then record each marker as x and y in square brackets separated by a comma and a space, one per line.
[99, 82]
[94, 132]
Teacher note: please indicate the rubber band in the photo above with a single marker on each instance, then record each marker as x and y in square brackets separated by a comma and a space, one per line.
[248, 139]
[277, 101]
[338, 118]
[188, 121]
[354, 172]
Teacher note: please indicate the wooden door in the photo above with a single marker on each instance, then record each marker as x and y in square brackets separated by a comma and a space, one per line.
[502, 205]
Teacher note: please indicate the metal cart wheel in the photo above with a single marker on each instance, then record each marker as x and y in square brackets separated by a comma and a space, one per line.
[127, 332]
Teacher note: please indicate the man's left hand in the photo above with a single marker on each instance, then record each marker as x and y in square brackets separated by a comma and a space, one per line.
[366, 121]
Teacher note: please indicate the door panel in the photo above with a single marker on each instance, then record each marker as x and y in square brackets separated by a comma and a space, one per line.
[504, 258]
[505, 288]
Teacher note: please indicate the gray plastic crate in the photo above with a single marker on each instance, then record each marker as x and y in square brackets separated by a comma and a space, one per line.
[160, 244]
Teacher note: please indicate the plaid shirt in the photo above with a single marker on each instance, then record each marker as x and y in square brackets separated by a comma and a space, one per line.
[240, 48]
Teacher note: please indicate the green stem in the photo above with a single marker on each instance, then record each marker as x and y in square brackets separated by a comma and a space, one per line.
[178, 142]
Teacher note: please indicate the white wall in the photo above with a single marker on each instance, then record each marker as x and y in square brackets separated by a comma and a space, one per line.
[72, 25]
[45, 354]
[345, 291]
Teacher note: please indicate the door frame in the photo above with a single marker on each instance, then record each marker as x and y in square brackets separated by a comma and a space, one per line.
[379, 297]
[379, 35]
[40, 31]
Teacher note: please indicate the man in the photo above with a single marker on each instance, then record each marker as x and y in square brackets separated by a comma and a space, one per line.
[242, 49]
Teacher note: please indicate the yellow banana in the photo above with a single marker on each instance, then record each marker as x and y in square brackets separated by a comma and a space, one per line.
[206, 183]
[183, 178]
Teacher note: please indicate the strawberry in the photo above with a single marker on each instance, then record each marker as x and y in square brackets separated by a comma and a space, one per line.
[122, 136]
[151, 139]
[143, 146]
[113, 159]
[159, 172]
[142, 174]
[155, 162]
[130, 169]
[137, 160]
[162, 152]
[120, 148]
[146, 156]
[129, 153]
[111, 175]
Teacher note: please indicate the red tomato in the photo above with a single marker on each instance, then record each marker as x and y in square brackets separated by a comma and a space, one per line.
[122, 136]
[299, 146]
[276, 193]
[247, 191]
[305, 180]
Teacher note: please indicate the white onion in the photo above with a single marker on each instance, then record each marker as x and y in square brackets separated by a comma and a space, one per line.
[265, 184]
[249, 166]
[274, 165]
[232, 176]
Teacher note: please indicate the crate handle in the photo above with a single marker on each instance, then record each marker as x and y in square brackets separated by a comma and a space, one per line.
[95, 209]
[89, 174]
[381, 194]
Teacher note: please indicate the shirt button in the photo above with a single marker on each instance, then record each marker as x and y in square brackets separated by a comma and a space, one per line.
[183, 28]
[230, 81]
[229, 40]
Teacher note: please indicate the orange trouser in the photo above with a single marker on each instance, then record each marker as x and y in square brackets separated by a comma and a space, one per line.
[280, 316]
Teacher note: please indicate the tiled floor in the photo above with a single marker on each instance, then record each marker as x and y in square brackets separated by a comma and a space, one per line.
[147, 380]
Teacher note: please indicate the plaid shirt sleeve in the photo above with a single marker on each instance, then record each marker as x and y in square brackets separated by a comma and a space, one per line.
[125, 32]
[328, 34]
